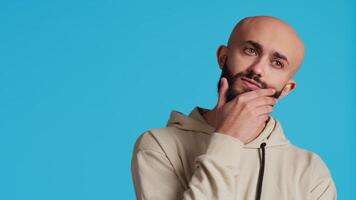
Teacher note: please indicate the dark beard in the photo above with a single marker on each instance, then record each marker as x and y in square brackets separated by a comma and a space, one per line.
[231, 79]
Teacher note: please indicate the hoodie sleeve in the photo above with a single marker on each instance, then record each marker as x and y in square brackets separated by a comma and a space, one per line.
[216, 170]
[322, 184]
[214, 175]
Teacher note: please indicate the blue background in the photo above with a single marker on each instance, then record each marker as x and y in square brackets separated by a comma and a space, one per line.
[81, 80]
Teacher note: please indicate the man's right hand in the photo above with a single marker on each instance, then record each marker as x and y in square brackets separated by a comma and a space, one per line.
[242, 116]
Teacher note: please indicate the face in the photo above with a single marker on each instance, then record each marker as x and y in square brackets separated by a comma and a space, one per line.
[261, 53]
[243, 78]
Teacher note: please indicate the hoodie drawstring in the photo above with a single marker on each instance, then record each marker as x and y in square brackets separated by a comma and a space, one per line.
[262, 169]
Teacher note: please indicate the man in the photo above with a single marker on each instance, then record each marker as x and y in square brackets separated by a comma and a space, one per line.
[236, 150]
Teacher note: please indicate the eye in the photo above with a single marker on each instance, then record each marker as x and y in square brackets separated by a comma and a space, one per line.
[277, 64]
[250, 51]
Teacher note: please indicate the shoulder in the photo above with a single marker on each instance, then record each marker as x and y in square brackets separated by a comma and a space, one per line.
[173, 141]
[310, 159]
[308, 154]
[156, 139]
[320, 181]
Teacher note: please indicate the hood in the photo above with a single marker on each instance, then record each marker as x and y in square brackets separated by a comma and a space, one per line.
[272, 134]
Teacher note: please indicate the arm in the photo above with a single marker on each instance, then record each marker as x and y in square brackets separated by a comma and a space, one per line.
[216, 170]
[214, 176]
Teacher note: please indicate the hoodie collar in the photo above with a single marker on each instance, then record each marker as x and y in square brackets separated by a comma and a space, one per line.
[272, 133]
[193, 122]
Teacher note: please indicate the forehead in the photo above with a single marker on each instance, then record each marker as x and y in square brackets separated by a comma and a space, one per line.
[273, 35]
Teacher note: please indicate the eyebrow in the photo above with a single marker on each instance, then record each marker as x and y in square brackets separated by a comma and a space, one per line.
[255, 44]
[280, 56]
[259, 47]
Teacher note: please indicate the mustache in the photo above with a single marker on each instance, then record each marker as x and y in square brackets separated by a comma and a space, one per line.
[232, 78]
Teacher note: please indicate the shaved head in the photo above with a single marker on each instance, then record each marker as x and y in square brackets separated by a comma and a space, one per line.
[280, 29]
[264, 50]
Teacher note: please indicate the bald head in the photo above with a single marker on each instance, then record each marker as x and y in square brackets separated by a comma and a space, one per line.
[264, 49]
[270, 32]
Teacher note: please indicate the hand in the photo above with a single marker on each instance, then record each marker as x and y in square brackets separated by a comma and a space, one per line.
[242, 116]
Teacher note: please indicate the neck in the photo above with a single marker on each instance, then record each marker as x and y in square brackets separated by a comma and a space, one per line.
[210, 118]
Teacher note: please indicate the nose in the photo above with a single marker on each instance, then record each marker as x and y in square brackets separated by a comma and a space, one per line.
[258, 67]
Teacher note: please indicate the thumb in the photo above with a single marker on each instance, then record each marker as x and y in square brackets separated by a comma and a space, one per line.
[224, 85]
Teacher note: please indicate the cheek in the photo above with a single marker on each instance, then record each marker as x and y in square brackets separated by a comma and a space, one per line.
[240, 63]
[276, 84]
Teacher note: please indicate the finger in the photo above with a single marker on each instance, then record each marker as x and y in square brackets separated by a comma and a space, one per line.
[224, 85]
[264, 117]
[262, 101]
[263, 110]
[257, 93]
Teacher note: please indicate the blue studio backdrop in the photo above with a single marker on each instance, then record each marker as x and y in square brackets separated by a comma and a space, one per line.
[81, 80]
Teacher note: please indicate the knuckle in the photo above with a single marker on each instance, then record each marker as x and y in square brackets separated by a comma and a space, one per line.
[266, 109]
[266, 100]
[269, 100]
[241, 103]
[264, 117]
[237, 100]
[254, 112]
[248, 106]
[241, 98]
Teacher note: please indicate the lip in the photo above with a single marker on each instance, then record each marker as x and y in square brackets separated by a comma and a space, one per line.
[251, 83]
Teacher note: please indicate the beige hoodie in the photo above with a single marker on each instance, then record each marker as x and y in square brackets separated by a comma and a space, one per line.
[189, 160]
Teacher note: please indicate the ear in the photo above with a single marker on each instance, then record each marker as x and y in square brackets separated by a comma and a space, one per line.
[290, 86]
[221, 55]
